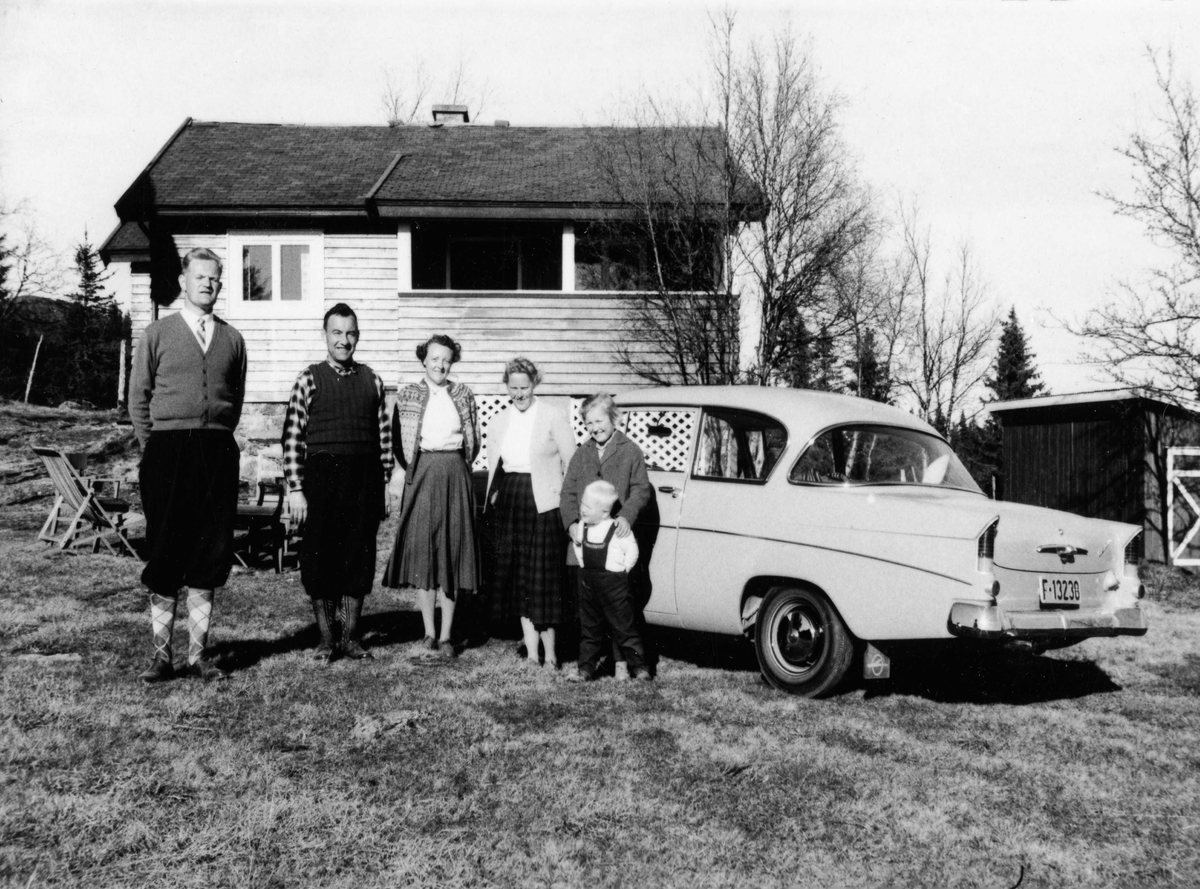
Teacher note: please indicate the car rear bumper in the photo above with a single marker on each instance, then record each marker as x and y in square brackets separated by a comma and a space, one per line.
[992, 622]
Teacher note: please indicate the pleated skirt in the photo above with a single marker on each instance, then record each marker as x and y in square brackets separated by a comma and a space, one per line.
[529, 556]
[435, 545]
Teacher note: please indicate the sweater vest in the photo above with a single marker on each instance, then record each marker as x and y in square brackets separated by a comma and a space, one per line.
[343, 413]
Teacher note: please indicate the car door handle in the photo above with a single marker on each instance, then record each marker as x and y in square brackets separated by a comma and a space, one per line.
[667, 489]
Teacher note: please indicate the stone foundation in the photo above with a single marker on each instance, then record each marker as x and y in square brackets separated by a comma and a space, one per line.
[258, 436]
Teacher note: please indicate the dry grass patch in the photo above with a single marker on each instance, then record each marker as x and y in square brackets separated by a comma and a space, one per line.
[1076, 769]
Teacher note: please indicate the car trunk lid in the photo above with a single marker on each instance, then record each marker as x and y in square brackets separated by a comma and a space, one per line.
[1066, 544]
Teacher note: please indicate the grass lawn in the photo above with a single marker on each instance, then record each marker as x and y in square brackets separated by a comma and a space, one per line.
[1080, 768]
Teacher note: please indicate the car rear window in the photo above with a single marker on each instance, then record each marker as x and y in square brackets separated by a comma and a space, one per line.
[880, 455]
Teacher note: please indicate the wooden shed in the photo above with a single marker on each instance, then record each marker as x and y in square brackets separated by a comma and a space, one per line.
[1097, 454]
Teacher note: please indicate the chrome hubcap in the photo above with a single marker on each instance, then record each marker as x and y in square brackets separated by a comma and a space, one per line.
[800, 638]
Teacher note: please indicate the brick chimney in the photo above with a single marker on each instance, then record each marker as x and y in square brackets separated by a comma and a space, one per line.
[451, 114]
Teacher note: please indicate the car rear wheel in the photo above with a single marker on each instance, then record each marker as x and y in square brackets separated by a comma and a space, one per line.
[803, 646]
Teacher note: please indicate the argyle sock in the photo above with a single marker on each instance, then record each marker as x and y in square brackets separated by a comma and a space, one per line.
[162, 624]
[199, 605]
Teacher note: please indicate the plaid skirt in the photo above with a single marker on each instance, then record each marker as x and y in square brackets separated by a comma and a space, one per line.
[435, 543]
[529, 556]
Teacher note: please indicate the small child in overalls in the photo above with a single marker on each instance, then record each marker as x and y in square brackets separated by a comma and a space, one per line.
[604, 596]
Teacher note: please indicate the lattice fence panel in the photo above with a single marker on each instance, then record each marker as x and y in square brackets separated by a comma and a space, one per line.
[664, 436]
[490, 405]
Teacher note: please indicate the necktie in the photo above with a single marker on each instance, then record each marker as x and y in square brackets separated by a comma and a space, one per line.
[202, 334]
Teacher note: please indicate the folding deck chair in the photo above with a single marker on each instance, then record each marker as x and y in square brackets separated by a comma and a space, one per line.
[86, 516]
[260, 517]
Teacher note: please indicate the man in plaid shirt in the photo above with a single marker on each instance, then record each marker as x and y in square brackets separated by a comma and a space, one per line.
[337, 460]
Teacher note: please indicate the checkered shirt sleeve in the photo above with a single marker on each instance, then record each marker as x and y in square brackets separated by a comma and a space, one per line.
[385, 430]
[295, 425]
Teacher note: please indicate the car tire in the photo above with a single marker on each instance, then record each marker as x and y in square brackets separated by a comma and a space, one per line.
[803, 646]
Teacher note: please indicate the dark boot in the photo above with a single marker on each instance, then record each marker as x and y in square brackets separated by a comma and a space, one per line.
[327, 648]
[351, 612]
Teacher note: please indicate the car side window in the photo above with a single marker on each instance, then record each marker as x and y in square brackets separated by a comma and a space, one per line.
[663, 434]
[738, 445]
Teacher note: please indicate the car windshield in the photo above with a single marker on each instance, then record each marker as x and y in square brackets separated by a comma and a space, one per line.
[880, 455]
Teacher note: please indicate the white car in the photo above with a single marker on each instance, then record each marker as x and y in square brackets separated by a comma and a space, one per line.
[828, 527]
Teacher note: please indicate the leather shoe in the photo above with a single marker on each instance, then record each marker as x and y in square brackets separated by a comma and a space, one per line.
[160, 670]
[356, 652]
[446, 649]
[578, 675]
[206, 670]
[324, 654]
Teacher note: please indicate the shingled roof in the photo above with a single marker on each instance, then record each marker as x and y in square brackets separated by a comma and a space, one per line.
[211, 169]
[259, 168]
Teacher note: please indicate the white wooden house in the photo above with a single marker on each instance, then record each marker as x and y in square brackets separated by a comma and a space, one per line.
[480, 232]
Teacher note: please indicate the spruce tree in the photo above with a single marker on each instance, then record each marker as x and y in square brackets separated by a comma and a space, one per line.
[95, 329]
[91, 294]
[1015, 375]
[870, 379]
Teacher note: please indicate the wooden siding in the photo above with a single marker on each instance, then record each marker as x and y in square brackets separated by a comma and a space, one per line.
[572, 337]
[359, 270]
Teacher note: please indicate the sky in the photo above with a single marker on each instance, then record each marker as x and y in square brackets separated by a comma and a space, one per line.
[999, 119]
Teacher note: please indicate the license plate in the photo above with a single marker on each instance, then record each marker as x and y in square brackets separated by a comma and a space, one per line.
[1059, 591]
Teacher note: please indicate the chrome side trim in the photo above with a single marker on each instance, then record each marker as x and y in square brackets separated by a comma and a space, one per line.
[992, 622]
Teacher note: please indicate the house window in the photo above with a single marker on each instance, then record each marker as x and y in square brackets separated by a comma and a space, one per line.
[275, 275]
[624, 256]
[464, 255]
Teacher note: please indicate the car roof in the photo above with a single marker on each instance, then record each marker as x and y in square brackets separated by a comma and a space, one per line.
[796, 408]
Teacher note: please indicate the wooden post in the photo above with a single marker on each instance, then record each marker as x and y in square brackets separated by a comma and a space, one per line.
[121, 374]
[568, 258]
[29, 384]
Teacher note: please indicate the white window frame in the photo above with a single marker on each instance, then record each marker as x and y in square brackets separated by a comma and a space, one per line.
[313, 306]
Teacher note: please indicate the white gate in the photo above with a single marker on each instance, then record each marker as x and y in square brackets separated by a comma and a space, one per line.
[1183, 504]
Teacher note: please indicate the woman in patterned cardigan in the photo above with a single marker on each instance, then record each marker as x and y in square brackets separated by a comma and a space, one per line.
[435, 436]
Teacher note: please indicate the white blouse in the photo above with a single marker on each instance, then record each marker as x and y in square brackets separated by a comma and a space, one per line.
[516, 450]
[441, 428]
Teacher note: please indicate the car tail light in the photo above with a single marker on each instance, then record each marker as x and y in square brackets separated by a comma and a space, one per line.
[987, 548]
[1133, 555]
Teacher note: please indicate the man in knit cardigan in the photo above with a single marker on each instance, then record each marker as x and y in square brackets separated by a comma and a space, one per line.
[337, 459]
[185, 400]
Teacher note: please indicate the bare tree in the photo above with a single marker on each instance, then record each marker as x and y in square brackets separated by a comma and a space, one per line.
[674, 248]
[403, 98]
[950, 322]
[406, 98]
[784, 133]
[872, 293]
[754, 195]
[1146, 333]
[31, 265]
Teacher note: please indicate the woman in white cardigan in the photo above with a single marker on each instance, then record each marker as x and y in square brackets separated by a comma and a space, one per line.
[529, 445]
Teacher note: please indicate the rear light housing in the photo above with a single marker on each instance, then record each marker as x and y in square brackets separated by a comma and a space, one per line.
[1133, 556]
[985, 558]
[987, 548]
